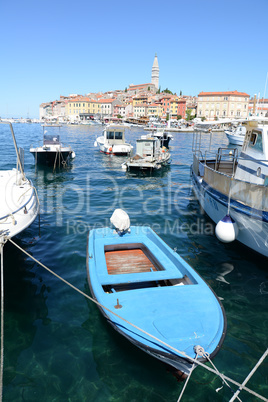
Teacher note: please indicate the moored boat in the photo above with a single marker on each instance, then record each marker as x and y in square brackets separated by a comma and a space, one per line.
[18, 199]
[52, 152]
[163, 136]
[233, 189]
[165, 307]
[236, 135]
[113, 141]
[150, 155]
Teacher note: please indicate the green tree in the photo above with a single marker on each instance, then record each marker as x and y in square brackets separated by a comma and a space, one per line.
[167, 91]
[189, 115]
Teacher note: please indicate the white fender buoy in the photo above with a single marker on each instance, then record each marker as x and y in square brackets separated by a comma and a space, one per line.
[95, 144]
[73, 155]
[226, 229]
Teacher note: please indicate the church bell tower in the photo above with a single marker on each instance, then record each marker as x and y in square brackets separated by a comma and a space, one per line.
[155, 72]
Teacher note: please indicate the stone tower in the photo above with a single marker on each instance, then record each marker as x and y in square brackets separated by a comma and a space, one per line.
[155, 72]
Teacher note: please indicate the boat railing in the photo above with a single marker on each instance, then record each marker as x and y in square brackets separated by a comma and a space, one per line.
[226, 155]
[21, 157]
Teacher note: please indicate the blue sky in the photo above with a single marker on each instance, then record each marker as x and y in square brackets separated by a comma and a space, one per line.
[58, 47]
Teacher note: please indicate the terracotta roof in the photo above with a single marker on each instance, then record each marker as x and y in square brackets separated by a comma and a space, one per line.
[106, 100]
[234, 93]
[80, 99]
[131, 87]
[260, 108]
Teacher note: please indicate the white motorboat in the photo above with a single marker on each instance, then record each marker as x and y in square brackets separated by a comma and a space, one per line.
[52, 152]
[233, 190]
[236, 135]
[113, 141]
[150, 155]
[18, 199]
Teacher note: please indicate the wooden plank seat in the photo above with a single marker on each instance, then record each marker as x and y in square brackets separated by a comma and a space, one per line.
[128, 261]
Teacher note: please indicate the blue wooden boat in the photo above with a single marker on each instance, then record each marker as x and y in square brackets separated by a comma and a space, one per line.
[135, 274]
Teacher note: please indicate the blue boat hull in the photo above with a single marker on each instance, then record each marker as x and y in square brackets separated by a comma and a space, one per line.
[167, 299]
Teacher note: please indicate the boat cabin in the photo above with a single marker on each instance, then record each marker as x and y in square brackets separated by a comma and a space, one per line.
[253, 161]
[114, 135]
[147, 148]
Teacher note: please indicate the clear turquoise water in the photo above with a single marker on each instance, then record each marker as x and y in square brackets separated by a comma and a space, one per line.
[57, 345]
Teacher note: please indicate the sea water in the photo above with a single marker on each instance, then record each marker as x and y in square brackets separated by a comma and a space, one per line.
[57, 345]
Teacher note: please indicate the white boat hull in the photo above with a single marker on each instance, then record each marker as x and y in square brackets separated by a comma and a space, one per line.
[18, 201]
[252, 225]
[112, 142]
[120, 150]
[235, 139]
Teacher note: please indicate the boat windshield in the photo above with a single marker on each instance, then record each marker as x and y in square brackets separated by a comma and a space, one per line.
[118, 135]
[114, 135]
[51, 139]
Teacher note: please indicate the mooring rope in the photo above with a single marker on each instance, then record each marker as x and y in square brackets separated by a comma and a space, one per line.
[187, 379]
[193, 360]
[55, 161]
[2, 319]
[250, 375]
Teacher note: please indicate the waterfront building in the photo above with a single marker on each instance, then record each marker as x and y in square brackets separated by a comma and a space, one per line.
[166, 103]
[155, 110]
[155, 72]
[77, 106]
[141, 99]
[140, 110]
[258, 107]
[177, 107]
[107, 107]
[230, 104]
[119, 110]
[137, 89]
[45, 110]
